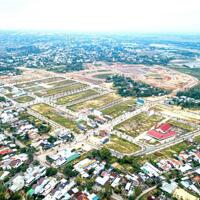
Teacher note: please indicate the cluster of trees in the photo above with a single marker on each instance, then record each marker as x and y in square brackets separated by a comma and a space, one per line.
[69, 171]
[76, 66]
[2, 99]
[8, 70]
[193, 93]
[5, 195]
[51, 171]
[43, 127]
[128, 87]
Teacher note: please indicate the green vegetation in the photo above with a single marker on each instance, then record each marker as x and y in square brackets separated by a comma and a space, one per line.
[138, 124]
[103, 76]
[96, 102]
[58, 90]
[165, 153]
[120, 108]
[181, 125]
[193, 93]
[35, 88]
[53, 79]
[24, 99]
[4, 71]
[69, 171]
[28, 84]
[52, 114]
[128, 87]
[197, 139]
[43, 127]
[74, 66]
[2, 99]
[61, 83]
[121, 145]
[51, 171]
[191, 71]
[76, 96]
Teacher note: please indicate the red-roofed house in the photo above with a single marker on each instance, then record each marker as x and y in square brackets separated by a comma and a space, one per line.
[161, 136]
[164, 127]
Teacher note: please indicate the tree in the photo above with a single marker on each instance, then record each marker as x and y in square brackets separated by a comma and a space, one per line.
[51, 171]
[69, 171]
[104, 154]
[16, 196]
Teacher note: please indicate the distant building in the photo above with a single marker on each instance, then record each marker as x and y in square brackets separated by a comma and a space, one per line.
[140, 102]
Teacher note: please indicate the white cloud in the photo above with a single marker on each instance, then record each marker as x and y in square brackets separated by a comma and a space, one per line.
[102, 15]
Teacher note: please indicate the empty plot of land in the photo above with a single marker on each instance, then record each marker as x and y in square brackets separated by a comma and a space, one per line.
[120, 108]
[24, 99]
[61, 83]
[96, 102]
[181, 125]
[52, 79]
[52, 114]
[35, 88]
[28, 84]
[121, 145]
[138, 124]
[54, 91]
[102, 76]
[75, 97]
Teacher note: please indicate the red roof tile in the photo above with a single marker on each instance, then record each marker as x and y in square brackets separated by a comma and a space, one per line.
[161, 136]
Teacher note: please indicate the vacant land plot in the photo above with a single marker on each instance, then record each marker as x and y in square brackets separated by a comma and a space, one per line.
[96, 102]
[138, 124]
[197, 139]
[53, 79]
[50, 92]
[181, 125]
[34, 89]
[52, 114]
[28, 84]
[120, 108]
[24, 99]
[75, 97]
[165, 153]
[102, 76]
[61, 83]
[121, 145]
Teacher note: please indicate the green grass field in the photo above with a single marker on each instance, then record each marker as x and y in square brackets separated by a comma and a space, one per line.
[52, 79]
[77, 96]
[24, 99]
[52, 114]
[102, 76]
[181, 125]
[28, 84]
[165, 153]
[61, 83]
[191, 71]
[35, 88]
[95, 103]
[120, 108]
[58, 90]
[121, 145]
[197, 139]
[138, 124]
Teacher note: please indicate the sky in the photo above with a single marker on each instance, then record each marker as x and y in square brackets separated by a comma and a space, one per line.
[177, 16]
